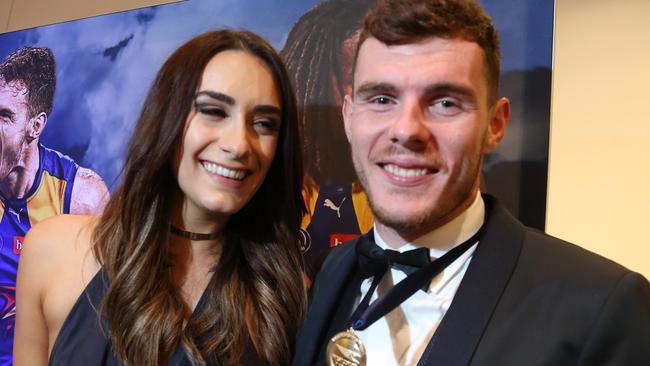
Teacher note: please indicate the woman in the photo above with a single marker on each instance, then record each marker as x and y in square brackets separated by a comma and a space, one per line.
[195, 258]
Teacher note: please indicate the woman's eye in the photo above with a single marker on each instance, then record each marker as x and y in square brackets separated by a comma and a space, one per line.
[211, 110]
[266, 125]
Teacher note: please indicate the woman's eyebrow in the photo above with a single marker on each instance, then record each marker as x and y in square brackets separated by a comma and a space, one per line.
[218, 96]
[268, 109]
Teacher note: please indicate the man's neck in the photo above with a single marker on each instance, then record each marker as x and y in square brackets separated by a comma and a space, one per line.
[441, 237]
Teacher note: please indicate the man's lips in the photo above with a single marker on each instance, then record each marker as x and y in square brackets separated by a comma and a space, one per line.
[230, 173]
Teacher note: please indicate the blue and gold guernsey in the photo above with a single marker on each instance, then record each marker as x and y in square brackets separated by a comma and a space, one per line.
[49, 195]
[336, 214]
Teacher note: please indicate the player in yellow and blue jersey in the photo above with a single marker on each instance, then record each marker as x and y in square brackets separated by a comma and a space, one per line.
[35, 182]
[318, 54]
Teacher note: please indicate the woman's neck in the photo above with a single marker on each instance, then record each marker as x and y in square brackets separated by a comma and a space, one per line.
[192, 265]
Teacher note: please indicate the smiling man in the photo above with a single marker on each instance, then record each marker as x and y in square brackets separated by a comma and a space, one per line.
[448, 276]
[35, 182]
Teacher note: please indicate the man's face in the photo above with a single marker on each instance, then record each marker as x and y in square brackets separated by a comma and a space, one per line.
[14, 121]
[419, 123]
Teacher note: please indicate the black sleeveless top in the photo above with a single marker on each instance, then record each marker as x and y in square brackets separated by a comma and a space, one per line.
[83, 339]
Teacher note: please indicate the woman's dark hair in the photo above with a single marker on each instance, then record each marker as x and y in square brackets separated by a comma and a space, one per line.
[256, 296]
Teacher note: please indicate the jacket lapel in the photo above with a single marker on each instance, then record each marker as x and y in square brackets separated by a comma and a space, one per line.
[495, 259]
[329, 286]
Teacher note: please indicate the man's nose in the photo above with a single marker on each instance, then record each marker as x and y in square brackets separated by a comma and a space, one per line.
[410, 127]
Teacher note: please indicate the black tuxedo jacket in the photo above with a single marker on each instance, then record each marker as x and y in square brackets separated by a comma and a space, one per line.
[526, 299]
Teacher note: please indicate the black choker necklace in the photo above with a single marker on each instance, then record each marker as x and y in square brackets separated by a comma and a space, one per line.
[193, 236]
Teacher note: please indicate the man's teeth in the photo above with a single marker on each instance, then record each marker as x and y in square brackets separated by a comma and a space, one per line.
[404, 173]
[228, 173]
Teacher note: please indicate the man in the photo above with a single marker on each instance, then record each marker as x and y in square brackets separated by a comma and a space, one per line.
[422, 114]
[35, 182]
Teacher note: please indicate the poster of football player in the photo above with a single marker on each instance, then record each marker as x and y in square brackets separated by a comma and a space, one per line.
[36, 182]
[64, 127]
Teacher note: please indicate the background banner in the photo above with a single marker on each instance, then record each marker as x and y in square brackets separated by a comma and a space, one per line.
[104, 66]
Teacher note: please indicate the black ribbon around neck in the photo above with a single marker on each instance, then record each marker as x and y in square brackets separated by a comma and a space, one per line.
[366, 314]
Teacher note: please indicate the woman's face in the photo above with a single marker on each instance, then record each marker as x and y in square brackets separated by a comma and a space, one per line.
[230, 137]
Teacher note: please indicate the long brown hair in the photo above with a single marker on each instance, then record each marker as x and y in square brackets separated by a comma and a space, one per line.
[256, 296]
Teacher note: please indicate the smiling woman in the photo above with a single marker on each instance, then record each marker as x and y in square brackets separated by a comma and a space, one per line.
[195, 258]
[231, 135]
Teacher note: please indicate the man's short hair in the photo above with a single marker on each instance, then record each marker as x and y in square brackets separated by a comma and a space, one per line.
[35, 68]
[399, 22]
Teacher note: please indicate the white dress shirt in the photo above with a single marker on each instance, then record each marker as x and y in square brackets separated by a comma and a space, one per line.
[400, 337]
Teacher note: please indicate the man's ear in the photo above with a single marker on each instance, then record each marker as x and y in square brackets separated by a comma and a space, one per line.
[498, 123]
[347, 109]
[36, 125]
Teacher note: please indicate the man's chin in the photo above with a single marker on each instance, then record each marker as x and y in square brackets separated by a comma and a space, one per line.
[407, 223]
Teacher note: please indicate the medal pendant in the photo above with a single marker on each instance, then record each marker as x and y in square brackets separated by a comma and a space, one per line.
[346, 349]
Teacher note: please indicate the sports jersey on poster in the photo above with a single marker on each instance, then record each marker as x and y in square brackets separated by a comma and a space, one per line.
[336, 214]
[49, 195]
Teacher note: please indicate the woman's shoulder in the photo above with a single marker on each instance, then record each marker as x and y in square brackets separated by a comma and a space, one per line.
[59, 239]
[60, 245]
[62, 225]
[56, 264]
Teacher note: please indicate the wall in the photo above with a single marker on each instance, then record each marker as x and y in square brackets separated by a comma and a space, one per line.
[22, 14]
[599, 169]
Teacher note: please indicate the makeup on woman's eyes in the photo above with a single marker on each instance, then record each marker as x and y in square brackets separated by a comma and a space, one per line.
[210, 109]
[266, 125]
[266, 118]
[213, 104]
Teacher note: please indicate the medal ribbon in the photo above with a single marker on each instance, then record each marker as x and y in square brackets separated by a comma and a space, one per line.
[365, 314]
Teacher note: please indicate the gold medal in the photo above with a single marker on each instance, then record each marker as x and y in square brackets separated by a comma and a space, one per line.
[346, 349]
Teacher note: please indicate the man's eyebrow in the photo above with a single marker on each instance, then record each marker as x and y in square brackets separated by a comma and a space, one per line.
[375, 88]
[449, 88]
[218, 96]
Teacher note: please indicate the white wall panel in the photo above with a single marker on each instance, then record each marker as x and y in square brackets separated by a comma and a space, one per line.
[599, 166]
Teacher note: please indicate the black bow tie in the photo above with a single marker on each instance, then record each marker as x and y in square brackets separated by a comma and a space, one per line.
[374, 261]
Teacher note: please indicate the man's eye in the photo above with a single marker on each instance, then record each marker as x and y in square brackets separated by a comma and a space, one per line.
[447, 103]
[446, 107]
[382, 99]
[6, 116]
